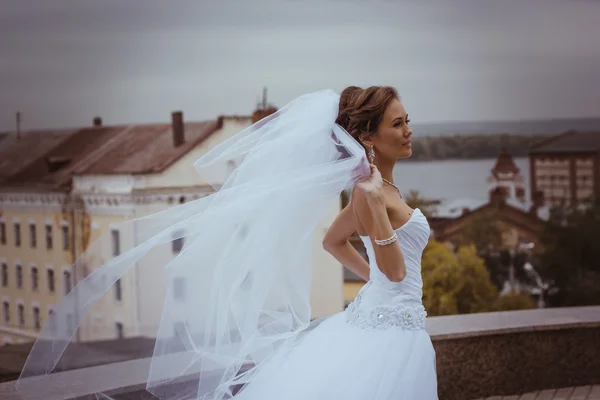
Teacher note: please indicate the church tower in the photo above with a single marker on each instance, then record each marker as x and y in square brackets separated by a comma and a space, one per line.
[506, 180]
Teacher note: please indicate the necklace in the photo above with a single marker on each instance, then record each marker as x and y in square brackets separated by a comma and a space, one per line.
[391, 184]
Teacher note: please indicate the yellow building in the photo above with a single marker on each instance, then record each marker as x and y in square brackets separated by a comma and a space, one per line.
[62, 190]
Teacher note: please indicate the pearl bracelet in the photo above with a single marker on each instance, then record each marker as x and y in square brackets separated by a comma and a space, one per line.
[385, 242]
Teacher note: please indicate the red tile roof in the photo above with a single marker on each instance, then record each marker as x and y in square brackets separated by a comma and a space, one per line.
[505, 164]
[49, 159]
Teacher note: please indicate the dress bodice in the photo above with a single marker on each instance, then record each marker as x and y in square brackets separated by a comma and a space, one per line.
[412, 238]
[381, 302]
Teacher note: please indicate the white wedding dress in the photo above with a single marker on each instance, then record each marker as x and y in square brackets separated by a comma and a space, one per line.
[377, 349]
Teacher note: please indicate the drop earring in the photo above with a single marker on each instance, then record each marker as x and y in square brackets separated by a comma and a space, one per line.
[371, 155]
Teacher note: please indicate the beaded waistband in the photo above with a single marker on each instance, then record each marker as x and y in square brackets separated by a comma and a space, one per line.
[408, 317]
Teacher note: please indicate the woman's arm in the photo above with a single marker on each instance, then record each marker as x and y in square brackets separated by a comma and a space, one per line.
[336, 243]
[370, 210]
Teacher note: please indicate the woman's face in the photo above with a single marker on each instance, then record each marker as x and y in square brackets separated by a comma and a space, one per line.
[392, 140]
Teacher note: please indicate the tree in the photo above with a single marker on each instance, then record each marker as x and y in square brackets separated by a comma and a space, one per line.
[477, 292]
[482, 231]
[571, 254]
[414, 200]
[514, 301]
[455, 283]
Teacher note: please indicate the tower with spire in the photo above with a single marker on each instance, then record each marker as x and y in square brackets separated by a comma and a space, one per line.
[506, 180]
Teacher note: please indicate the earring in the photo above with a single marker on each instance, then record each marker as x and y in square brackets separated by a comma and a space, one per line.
[371, 155]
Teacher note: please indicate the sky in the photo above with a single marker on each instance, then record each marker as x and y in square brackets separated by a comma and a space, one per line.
[63, 62]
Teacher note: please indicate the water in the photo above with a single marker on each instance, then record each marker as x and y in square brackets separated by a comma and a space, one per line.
[451, 179]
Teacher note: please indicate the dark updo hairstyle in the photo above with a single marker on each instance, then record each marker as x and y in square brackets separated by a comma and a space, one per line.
[361, 110]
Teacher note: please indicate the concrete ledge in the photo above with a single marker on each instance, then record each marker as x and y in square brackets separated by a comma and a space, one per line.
[477, 355]
[467, 325]
[506, 353]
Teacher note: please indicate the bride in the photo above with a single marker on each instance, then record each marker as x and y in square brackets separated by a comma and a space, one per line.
[246, 332]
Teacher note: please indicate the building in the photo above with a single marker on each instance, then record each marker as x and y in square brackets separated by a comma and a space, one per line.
[506, 205]
[62, 190]
[518, 226]
[506, 176]
[566, 168]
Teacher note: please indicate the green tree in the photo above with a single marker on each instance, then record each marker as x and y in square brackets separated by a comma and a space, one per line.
[482, 231]
[514, 301]
[571, 254]
[414, 200]
[455, 283]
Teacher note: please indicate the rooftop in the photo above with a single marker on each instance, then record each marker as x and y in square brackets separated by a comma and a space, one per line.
[48, 159]
[455, 208]
[569, 142]
[505, 164]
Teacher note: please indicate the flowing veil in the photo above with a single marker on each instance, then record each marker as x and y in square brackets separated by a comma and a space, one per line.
[246, 261]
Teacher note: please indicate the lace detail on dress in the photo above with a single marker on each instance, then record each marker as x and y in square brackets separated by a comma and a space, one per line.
[384, 317]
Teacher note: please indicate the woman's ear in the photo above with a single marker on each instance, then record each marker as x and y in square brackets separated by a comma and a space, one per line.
[365, 140]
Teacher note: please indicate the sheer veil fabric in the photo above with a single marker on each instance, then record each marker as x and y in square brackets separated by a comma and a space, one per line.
[246, 260]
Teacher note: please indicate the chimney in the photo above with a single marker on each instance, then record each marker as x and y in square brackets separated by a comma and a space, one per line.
[177, 128]
[97, 122]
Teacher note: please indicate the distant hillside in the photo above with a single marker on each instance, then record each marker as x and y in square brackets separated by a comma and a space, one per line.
[469, 147]
[531, 127]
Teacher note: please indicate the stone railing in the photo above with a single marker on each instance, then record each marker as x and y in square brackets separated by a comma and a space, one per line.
[506, 353]
[478, 355]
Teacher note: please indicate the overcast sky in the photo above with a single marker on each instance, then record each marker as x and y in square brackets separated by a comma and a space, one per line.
[62, 62]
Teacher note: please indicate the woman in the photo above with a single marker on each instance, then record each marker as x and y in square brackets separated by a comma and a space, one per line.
[377, 348]
[245, 329]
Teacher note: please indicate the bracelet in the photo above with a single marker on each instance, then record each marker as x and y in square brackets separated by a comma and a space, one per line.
[385, 242]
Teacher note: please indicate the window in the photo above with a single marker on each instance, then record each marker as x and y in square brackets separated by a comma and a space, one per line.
[51, 283]
[119, 329]
[116, 244]
[118, 290]
[179, 288]
[19, 274]
[17, 234]
[177, 243]
[36, 318]
[32, 236]
[67, 282]
[21, 314]
[6, 312]
[34, 278]
[49, 237]
[4, 273]
[2, 233]
[65, 237]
